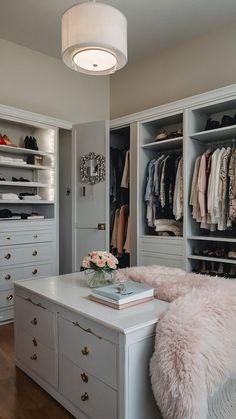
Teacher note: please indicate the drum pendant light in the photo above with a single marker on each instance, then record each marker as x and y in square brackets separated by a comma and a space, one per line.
[94, 38]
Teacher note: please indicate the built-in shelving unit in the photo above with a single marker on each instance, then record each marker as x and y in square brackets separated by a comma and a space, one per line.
[28, 227]
[154, 248]
[201, 139]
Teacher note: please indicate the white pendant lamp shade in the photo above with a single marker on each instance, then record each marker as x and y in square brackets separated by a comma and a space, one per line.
[94, 38]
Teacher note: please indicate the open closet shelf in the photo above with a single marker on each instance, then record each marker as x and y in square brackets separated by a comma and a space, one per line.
[164, 144]
[27, 166]
[215, 134]
[156, 237]
[215, 239]
[25, 184]
[210, 259]
[19, 150]
[23, 201]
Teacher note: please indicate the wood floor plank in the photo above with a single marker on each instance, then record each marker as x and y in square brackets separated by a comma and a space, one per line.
[20, 397]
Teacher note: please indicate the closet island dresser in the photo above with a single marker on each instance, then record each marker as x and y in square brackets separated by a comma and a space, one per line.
[91, 358]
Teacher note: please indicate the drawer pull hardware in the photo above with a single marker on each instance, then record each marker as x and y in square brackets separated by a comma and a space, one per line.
[84, 377]
[7, 277]
[35, 271]
[8, 256]
[84, 397]
[34, 253]
[35, 236]
[35, 304]
[35, 342]
[86, 330]
[8, 238]
[33, 357]
[34, 321]
[85, 351]
[9, 297]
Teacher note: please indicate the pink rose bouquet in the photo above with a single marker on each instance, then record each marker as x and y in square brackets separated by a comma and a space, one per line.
[100, 261]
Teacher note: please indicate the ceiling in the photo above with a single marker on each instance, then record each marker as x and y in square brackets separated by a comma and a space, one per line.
[152, 24]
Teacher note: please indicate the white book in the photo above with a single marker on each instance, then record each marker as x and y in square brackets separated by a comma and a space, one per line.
[123, 293]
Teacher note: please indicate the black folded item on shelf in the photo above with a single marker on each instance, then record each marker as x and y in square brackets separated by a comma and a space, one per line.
[22, 194]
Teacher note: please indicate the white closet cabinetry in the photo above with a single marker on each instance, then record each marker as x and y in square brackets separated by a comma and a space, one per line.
[154, 249]
[28, 246]
[93, 361]
[191, 114]
[206, 250]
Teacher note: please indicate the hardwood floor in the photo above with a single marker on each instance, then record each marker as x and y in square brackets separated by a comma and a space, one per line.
[20, 397]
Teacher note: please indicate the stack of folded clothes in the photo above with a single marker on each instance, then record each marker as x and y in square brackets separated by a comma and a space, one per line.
[29, 195]
[171, 227]
[9, 196]
[11, 160]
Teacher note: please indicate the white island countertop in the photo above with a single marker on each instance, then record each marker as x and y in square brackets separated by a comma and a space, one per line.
[71, 291]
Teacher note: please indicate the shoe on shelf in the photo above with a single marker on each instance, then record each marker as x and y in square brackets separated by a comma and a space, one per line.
[35, 145]
[176, 134]
[162, 135]
[2, 178]
[30, 143]
[226, 121]
[22, 179]
[27, 142]
[8, 141]
[212, 124]
[2, 141]
[232, 254]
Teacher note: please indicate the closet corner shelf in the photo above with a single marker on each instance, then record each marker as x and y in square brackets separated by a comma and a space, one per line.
[215, 134]
[25, 184]
[27, 166]
[214, 239]
[164, 144]
[210, 259]
[21, 150]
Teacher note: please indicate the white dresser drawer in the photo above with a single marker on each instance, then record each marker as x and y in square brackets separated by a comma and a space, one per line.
[23, 237]
[172, 261]
[36, 356]
[25, 254]
[6, 298]
[36, 320]
[11, 274]
[93, 397]
[93, 353]
[163, 245]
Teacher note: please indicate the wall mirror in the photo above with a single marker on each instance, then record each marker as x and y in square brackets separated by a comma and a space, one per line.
[92, 168]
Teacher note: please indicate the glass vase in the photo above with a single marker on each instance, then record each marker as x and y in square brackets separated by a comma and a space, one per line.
[98, 278]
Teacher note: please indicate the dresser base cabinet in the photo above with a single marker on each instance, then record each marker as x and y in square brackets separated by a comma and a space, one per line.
[95, 370]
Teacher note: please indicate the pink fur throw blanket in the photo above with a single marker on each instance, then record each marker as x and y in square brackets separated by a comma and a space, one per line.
[195, 343]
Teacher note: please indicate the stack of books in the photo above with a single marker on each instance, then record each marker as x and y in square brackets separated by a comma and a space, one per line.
[122, 295]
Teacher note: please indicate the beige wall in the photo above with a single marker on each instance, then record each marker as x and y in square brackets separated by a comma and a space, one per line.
[36, 82]
[193, 67]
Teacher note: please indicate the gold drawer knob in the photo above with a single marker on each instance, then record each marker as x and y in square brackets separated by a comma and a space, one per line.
[35, 271]
[35, 342]
[9, 297]
[34, 253]
[85, 350]
[35, 236]
[8, 256]
[7, 277]
[33, 357]
[34, 321]
[84, 397]
[84, 377]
